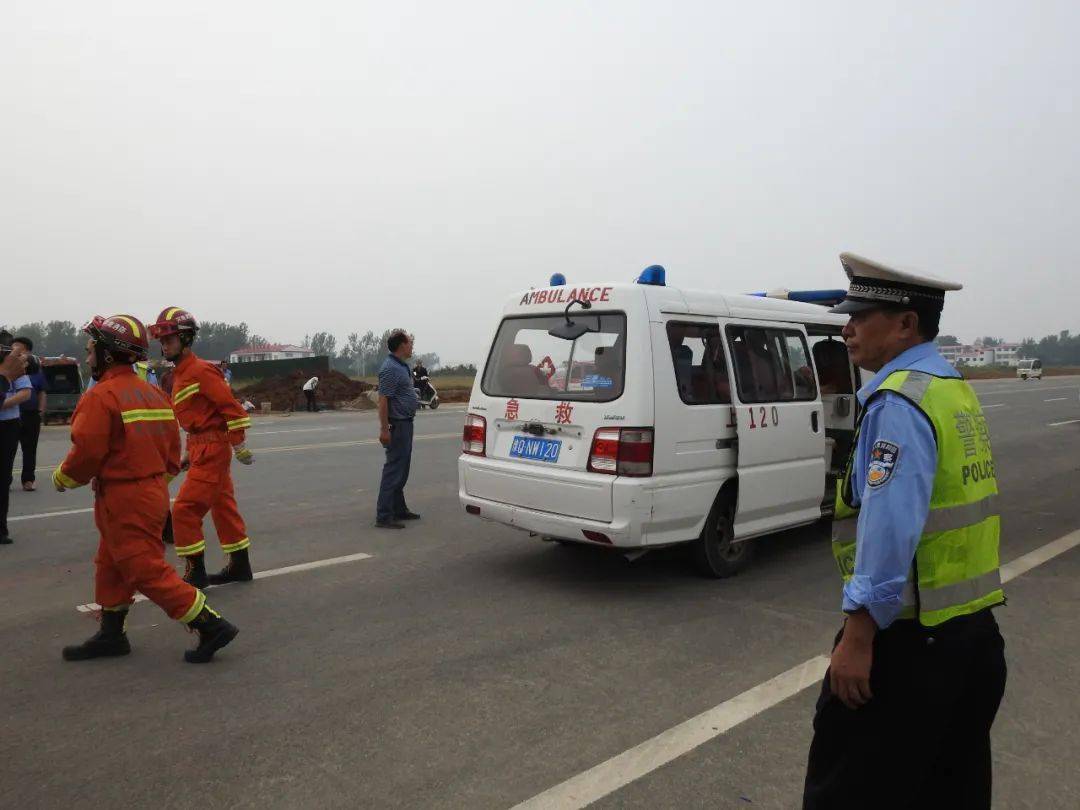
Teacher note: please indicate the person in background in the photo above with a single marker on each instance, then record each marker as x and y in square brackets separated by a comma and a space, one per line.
[19, 392]
[226, 372]
[12, 366]
[309, 393]
[397, 407]
[31, 415]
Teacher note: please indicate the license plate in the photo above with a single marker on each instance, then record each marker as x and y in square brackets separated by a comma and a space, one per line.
[536, 449]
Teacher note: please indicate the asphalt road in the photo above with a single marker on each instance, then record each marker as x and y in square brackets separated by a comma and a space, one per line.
[464, 665]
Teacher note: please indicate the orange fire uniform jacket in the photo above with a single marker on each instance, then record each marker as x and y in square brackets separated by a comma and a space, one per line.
[124, 438]
[204, 403]
[214, 420]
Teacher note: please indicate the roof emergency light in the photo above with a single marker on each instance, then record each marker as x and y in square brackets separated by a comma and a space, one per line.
[825, 298]
[558, 280]
[654, 275]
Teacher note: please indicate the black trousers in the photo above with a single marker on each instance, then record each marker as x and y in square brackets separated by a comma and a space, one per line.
[9, 446]
[923, 741]
[29, 432]
[310, 397]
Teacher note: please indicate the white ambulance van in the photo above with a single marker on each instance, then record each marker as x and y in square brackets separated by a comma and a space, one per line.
[640, 415]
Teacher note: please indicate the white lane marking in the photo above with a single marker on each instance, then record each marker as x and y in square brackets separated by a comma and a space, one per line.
[273, 572]
[1033, 559]
[607, 777]
[291, 430]
[1055, 399]
[258, 451]
[356, 443]
[59, 512]
[988, 407]
[1005, 392]
[1050, 424]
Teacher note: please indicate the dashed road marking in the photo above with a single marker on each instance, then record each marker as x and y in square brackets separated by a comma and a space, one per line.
[1056, 399]
[607, 777]
[1051, 424]
[988, 407]
[273, 572]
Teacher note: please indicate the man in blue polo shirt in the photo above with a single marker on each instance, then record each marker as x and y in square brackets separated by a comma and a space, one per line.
[397, 407]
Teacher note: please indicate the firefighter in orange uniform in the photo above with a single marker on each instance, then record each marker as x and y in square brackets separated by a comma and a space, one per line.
[215, 423]
[124, 439]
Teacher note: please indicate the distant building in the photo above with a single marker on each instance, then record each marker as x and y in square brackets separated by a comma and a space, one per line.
[273, 351]
[1007, 354]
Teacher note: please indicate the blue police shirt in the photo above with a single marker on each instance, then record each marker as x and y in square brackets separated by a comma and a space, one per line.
[893, 512]
[9, 412]
[38, 384]
[396, 384]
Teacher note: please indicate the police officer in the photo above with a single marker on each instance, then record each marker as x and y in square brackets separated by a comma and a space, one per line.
[918, 669]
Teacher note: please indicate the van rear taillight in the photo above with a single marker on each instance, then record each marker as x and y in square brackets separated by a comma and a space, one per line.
[474, 437]
[622, 451]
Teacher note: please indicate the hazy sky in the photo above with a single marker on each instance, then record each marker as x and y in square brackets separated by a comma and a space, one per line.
[357, 165]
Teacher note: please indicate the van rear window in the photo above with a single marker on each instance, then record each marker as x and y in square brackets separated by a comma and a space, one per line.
[528, 363]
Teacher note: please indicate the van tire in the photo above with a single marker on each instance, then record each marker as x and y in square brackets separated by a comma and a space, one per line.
[714, 553]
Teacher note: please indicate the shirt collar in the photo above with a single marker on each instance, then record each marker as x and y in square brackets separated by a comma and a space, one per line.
[116, 371]
[902, 361]
[398, 359]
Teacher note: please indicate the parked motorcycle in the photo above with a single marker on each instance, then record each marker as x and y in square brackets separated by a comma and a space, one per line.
[426, 393]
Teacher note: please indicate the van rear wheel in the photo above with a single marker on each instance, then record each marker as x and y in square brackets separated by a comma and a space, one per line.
[715, 552]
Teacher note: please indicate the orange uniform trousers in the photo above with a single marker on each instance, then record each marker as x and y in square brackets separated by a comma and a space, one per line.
[131, 557]
[208, 487]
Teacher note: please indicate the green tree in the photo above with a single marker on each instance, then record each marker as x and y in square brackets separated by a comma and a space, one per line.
[947, 340]
[323, 343]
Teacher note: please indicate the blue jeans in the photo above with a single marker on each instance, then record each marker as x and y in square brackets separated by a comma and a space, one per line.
[395, 472]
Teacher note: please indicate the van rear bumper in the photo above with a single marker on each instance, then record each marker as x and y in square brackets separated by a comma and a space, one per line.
[628, 529]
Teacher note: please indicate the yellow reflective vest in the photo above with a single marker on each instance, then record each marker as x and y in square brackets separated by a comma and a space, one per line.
[955, 570]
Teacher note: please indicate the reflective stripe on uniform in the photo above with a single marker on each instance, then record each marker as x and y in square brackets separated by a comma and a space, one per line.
[185, 393]
[239, 424]
[194, 548]
[948, 518]
[915, 386]
[195, 609]
[147, 415]
[66, 480]
[239, 545]
[959, 592]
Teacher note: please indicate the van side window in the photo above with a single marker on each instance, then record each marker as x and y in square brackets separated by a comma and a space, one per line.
[833, 365]
[771, 365]
[697, 354]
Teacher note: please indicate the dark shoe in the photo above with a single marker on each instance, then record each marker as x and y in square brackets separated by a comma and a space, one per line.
[389, 524]
[195, 571]
[407, 516]
[238, 569]
[110, 640]
[214, 633]
[5, 540]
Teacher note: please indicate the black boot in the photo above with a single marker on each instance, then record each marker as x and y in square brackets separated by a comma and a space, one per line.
[195, 571]
[214, 633]
[238, 569]
[110, 640]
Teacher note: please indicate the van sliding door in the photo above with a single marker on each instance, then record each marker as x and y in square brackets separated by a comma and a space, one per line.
[780, 427]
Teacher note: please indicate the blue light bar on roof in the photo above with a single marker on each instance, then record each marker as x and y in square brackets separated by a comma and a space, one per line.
[558, 280]
[654, 275]
[825, 298]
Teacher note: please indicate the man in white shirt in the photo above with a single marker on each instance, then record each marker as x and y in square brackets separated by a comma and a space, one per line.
[309, 393]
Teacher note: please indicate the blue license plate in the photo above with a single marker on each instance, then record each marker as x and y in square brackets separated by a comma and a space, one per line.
[536, 449]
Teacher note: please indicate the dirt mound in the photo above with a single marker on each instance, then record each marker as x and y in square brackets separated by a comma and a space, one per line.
[285, 393]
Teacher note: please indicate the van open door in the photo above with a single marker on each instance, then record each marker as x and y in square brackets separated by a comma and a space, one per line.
[780, 427]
